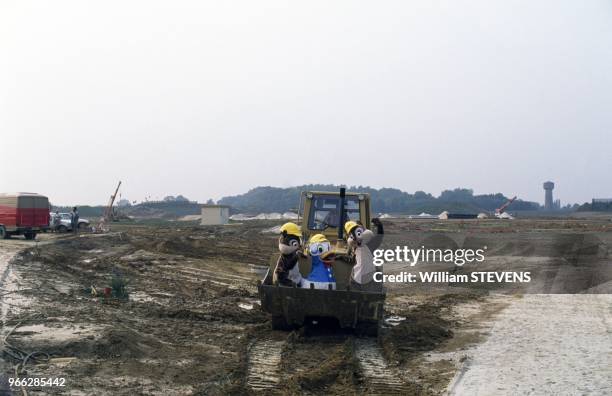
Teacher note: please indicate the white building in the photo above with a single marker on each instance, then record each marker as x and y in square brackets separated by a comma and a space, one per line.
[214, 214]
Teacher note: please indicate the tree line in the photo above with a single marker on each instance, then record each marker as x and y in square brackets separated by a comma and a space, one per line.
[384, 200]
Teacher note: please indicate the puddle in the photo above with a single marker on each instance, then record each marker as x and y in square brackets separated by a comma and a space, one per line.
[41, 332]
[166, 362]
[162, 294]
[394, 320]
[258, 269]
[141, 297]
[64, 288]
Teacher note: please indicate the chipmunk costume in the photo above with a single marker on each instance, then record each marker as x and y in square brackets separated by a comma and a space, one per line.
[287, 272]
[364, 242]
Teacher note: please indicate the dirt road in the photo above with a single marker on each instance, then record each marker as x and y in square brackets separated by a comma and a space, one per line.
[544, 344]
[6, 286]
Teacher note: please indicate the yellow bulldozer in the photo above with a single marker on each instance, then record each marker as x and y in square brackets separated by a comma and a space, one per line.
[325, 213]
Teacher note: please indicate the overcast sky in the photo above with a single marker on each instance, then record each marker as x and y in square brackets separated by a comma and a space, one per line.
[212, 98]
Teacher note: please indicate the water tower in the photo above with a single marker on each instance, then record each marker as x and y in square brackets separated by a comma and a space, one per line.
[548, 196]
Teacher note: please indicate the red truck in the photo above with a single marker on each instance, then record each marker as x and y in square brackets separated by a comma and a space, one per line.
[23, 214]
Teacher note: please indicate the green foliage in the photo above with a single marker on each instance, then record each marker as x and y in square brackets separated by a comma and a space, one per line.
[594, 207]
[84, 211]
[161, 209]
[118, 286]
[390, 200]
[276, 199]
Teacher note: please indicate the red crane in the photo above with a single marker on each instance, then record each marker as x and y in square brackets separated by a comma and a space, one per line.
[502, 208]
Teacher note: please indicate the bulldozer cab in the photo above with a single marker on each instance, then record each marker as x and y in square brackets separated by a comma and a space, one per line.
[323, 214]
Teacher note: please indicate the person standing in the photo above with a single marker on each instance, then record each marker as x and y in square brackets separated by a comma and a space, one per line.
[57, 220]
[74, 220]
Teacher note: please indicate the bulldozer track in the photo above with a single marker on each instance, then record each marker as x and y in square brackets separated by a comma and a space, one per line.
[197, 275]
[206, 272]
[264, 359]
[380, 378]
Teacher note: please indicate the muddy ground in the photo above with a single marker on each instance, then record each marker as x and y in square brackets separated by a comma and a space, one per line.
[191, 322]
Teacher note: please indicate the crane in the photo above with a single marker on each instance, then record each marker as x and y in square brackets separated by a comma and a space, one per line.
[108, 211]
[502, 208]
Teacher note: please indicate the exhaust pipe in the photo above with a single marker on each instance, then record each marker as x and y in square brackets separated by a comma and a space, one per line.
[342, 213]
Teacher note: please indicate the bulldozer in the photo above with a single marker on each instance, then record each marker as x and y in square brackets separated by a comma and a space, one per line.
[293, 307]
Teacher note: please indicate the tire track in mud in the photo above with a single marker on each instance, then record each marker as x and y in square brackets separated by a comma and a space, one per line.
[382, 379]
[6, 255]
[264, 367]
[197, 275]
[264, 358]
[206, 272]
[220, 279]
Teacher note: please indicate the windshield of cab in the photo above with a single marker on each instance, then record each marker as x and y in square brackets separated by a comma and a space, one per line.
[325, 211]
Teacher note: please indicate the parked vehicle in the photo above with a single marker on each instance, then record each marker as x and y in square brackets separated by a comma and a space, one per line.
[65, 222]
[23, 214]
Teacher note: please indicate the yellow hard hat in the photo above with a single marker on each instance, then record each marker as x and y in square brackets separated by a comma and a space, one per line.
[349, 225]
[291, 229]
[317, 238]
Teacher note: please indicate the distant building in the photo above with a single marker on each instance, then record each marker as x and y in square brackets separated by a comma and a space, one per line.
[601, 204]
[123, 203]
[178, 198]
[548, 195]
[215, 214]
[447, 216]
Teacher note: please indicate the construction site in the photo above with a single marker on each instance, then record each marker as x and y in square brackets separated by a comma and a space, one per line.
[305, 198]
[174, 308]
